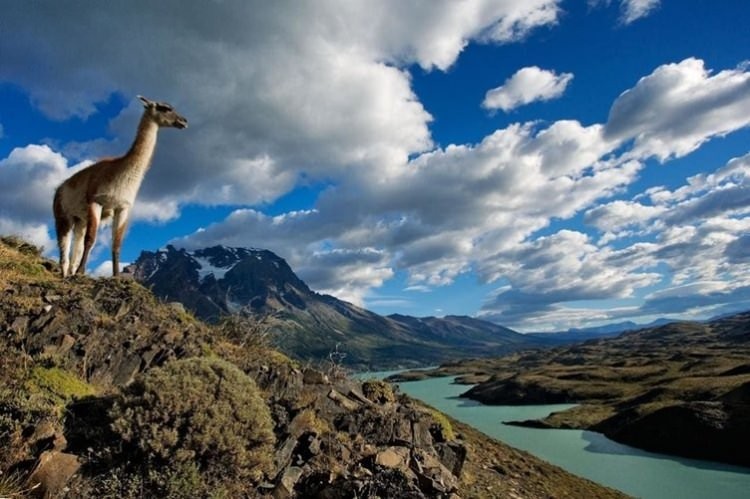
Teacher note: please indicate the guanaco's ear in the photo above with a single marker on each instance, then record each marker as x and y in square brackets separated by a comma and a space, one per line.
[146, 102]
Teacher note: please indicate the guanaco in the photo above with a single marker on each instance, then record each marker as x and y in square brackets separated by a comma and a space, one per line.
[107, 189]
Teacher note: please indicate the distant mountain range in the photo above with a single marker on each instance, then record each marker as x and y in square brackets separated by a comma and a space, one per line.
[217, 281]
[608, 330]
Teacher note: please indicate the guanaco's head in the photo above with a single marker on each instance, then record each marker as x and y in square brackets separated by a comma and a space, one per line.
[163, 114]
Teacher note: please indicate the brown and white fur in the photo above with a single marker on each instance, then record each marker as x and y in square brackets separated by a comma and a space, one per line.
[107, 188]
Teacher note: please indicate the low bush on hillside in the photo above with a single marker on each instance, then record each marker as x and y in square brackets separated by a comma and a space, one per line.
[380, 392]
[203, 419]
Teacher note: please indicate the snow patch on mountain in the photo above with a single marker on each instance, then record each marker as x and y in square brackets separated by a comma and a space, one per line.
[206, 268]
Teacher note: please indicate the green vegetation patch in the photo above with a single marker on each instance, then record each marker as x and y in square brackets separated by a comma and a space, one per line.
[378, 391]
[57, 385]
[21, 261]
[444, 424]
[199, 410]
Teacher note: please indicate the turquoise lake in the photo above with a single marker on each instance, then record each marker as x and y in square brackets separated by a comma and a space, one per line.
[588, 454]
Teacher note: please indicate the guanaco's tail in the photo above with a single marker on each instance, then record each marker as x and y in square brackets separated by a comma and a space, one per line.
[63, 223]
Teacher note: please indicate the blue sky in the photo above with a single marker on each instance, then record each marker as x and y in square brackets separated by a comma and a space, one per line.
[544, 164]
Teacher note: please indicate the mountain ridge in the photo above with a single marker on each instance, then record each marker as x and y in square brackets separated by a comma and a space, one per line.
[218, 281]
[604, 331]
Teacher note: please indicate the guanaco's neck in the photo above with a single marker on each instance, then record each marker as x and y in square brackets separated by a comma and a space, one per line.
[140, 153]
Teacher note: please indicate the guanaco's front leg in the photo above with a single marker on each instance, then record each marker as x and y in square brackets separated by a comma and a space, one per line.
[119, 224]
[92, 225]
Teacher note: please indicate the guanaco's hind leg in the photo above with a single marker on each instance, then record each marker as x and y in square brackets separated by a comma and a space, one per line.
[62, 227]
[92, 224]
[79, 233]
[63, 224]
[119, 223]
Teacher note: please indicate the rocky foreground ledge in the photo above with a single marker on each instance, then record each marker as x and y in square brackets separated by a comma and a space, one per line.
[106, 392]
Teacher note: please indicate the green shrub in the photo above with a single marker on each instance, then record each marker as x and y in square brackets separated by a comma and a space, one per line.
[181, 480]
[378, 391]
[199, 410]
[115, 483]
[443, 425]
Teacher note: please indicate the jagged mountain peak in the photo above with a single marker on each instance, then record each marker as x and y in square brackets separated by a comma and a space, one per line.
[219, 280]
[215, 260]
[218, 260]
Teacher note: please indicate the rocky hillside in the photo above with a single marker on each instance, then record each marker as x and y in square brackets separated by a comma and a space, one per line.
[107, 392]
[217, 281]
[681, 388]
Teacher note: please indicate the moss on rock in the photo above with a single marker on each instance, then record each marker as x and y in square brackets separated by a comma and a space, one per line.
[58, 384]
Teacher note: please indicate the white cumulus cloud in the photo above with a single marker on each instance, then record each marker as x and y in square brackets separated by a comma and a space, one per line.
[678, 107]
[30, 175]
[492, 192]
[618, 215]
[527, 85]
[701, 240]
[274, 91]
[513, 183]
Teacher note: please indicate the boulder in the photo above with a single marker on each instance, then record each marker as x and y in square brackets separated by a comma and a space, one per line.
[284, 453]
[393, 457]
[125, 368]
[52, 472]
[48, 436]
[177, 307]
[452, 455]
[314, 377]
[20, 325]
[343, 400]
[434, 478]
[420, 430]
[285, 488]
